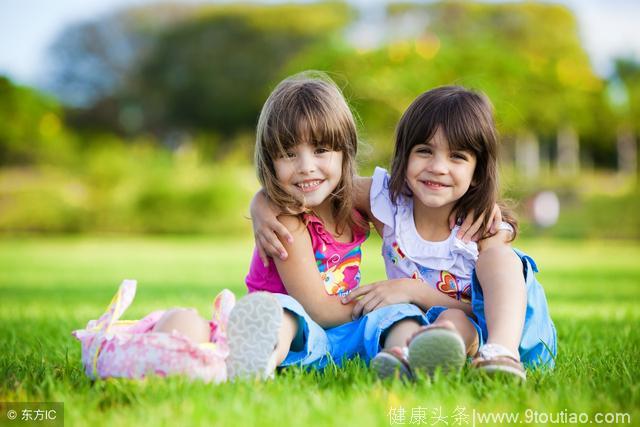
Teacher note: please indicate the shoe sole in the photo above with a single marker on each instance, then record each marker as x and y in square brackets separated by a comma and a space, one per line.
[387, 366]
[437, 348]
[254, 324]
[501, 370]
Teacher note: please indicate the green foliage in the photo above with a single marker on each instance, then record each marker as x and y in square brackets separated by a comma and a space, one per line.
[211, 67]
[129, 189]
[53, 286]
[628, 73]
[544, 82]
[600, 216]
[207, 68]
[32, 126]
[92, 60]
[139, 188]
[593, 205]
[198, 71]
[179, 82]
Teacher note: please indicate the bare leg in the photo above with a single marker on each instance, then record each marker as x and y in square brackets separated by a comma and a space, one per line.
[185, 321]
[400, 333]
[393, 361]
[287, 333]
[458, 321]
[500, 273]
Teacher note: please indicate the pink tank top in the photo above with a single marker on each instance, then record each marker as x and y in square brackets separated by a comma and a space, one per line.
[338, 263]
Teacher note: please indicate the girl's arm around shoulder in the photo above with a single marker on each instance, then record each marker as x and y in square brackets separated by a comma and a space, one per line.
[267, 230]
[301, 278]
[362, 188]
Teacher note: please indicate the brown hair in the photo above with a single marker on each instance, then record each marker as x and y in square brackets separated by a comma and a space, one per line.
[466, 119]
[307, 106]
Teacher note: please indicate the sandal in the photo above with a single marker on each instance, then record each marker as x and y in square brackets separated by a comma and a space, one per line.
[496, 359]
[254, 324]
[437, 347]
[392, 363]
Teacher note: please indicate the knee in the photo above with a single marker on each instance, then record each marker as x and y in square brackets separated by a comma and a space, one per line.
[453, 315]
[185, 321]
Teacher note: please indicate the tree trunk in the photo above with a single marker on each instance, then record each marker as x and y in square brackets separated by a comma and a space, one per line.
[568, 161]
[627, 152]
[528, 154]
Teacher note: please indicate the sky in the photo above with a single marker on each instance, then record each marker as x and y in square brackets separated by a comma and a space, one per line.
[28, 27]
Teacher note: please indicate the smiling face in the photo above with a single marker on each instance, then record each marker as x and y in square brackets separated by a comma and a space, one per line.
[436, 176]
[310, 173]
[306, 146]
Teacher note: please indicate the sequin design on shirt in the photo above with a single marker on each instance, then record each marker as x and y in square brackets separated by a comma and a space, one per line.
[340, 275]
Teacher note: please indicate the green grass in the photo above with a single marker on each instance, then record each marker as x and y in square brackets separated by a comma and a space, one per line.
[48, 287]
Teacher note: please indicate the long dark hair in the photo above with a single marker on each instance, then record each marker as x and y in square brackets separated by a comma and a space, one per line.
[466, 119]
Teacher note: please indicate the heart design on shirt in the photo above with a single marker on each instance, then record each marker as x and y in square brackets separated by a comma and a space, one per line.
[448, 285]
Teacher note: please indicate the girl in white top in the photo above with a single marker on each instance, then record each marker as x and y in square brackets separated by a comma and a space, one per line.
[445, 163]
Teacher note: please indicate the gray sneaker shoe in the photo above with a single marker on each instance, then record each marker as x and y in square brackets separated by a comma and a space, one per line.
[392, 363]
[254, 324]
[437, 347]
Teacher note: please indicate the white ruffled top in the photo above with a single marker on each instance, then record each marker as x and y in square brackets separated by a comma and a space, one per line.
[407, 254]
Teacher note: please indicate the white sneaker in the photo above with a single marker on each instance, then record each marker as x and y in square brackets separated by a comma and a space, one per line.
[254, 324]
[496, 359]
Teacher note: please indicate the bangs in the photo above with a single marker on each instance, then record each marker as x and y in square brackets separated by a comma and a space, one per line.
[307, 108]
[465, 128]
[306, 117]
[465, 119]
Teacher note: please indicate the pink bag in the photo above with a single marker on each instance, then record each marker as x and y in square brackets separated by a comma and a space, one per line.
[128, 349]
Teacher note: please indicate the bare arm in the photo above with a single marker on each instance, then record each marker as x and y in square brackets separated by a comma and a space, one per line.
[398, 291]
[362, 188]
[501, 238]
[425, 297]
[267, 228]
[301, 278]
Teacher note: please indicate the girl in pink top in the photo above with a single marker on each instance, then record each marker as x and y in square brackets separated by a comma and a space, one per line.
[338, 262]
[305, 153]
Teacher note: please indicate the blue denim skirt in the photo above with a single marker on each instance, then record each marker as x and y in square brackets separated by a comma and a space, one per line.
[360, 337]
[538, 346]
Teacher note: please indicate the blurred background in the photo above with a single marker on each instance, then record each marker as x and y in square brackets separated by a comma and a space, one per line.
[130, 116]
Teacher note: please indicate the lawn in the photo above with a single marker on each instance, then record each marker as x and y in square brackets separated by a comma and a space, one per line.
[50, 286]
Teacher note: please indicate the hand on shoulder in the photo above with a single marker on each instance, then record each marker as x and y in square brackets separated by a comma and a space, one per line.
[501, 238]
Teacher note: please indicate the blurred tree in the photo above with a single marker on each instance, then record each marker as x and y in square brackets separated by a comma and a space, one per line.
[214, 72]
[209, 70]
[526, 56]
[91, 60]
[31, 127]
[627, 72]
[626, 102]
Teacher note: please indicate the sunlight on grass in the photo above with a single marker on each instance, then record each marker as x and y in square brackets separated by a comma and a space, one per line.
[54, 285]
